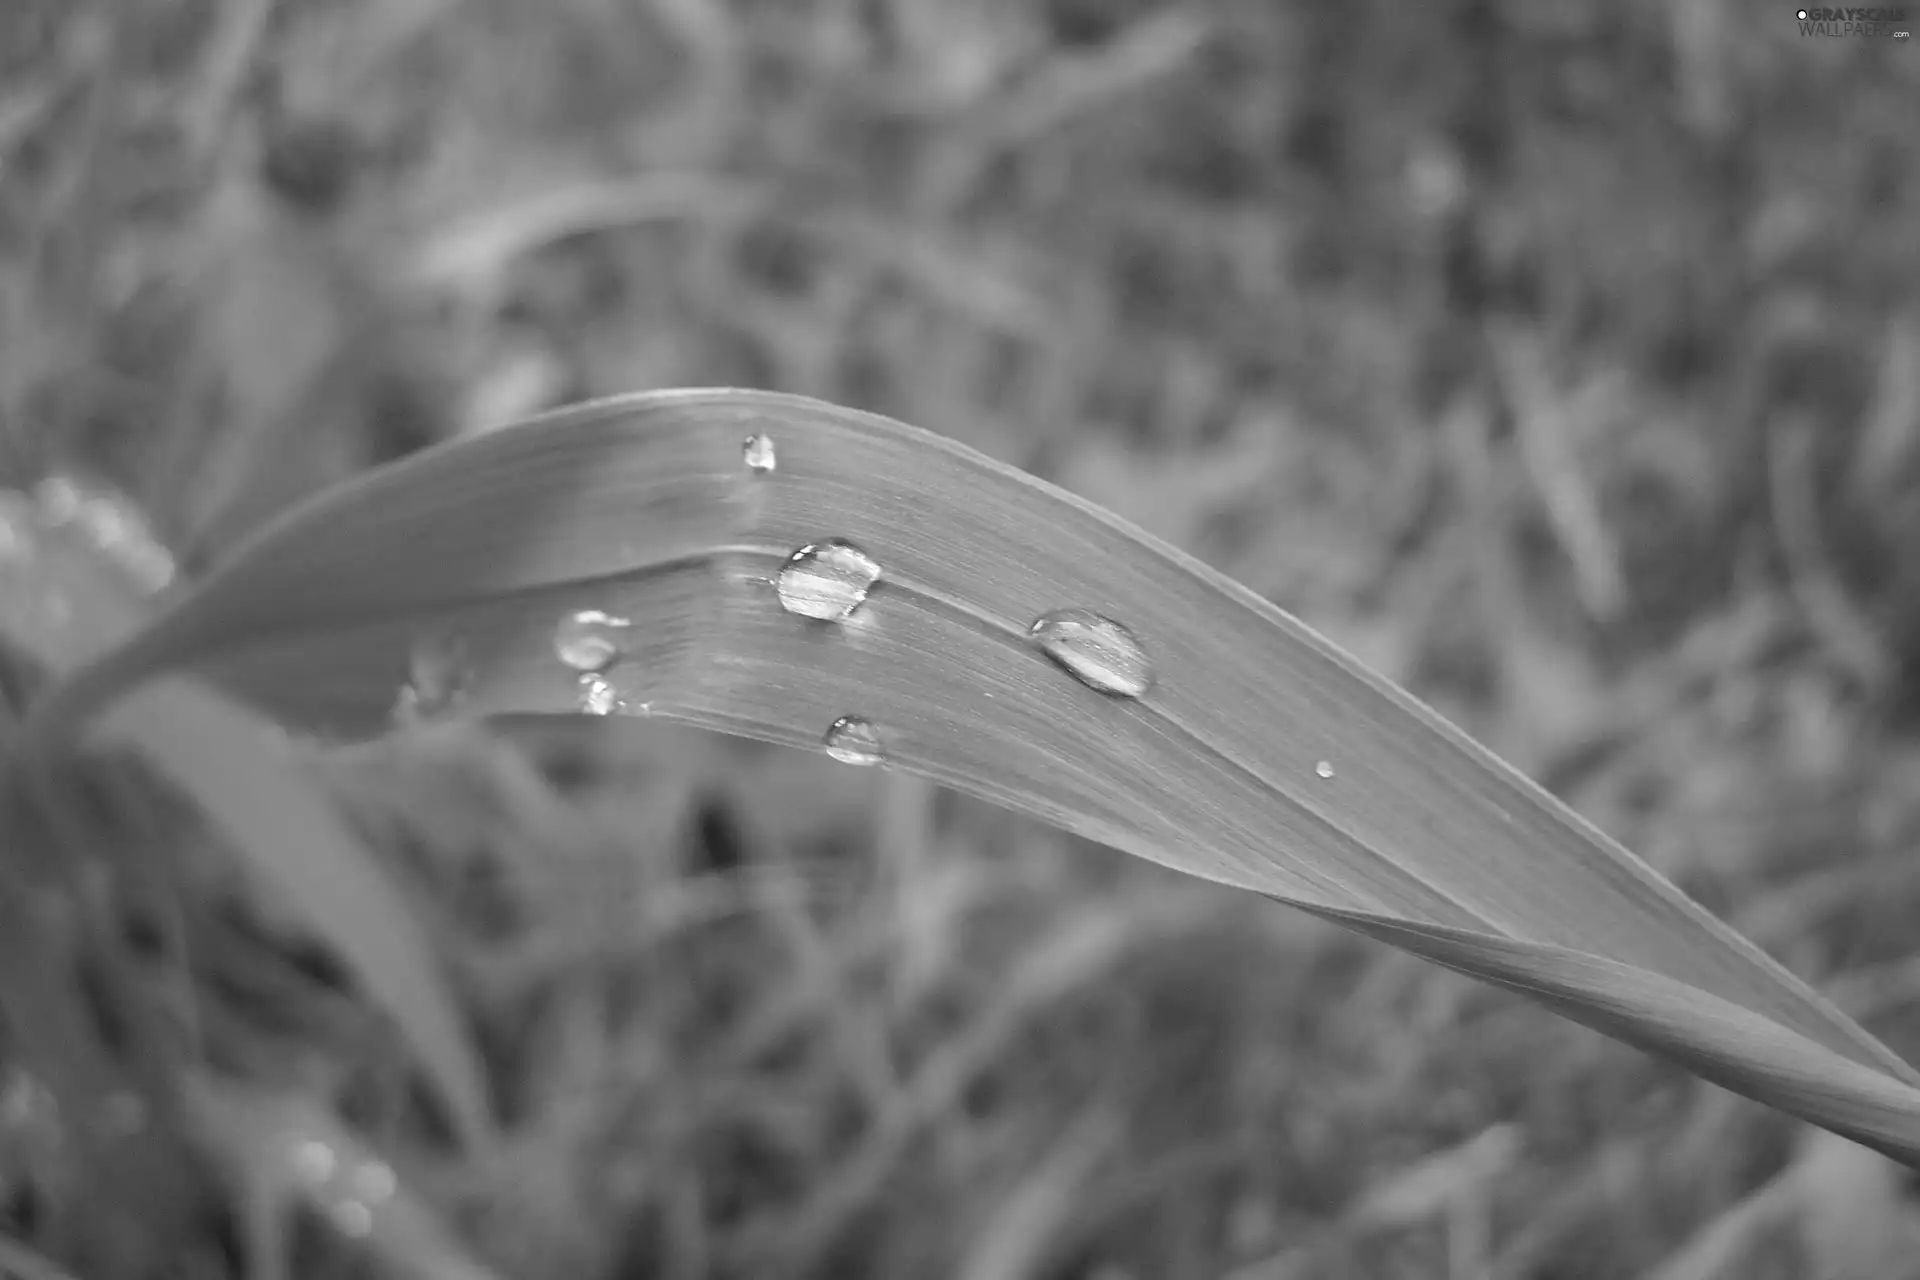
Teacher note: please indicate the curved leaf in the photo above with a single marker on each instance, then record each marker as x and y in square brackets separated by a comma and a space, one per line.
[1261, 756]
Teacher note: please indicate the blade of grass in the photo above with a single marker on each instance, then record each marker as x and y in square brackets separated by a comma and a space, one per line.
[1261, 757]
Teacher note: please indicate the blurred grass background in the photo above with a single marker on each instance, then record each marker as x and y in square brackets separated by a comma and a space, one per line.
[1561, 359]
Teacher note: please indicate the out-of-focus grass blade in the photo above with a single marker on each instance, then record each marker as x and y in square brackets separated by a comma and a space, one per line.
[282, 1149]
[1261, 756]
[62, 599]
[16, 1259]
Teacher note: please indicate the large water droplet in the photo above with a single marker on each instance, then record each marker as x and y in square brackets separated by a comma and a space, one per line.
[1096, 650]
[1324, 769]
[589, 640]
[826, 580]
[852, 740]
[757, 452]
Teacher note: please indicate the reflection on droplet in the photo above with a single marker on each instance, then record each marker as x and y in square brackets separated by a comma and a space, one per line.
[1324, 769]
[757, 453]
[826, 580]
[852, 740]
[1096, 650]
[589, 640]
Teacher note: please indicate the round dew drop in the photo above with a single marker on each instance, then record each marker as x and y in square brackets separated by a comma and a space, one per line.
[826, 580]
[1095, 650]
[852, 740]
[1324, 769]
[589, 640]
[314, 1161]
[757, 452]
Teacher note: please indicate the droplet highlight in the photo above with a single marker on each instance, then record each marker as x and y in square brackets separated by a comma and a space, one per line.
[826, 580]
[1095, 650]
[852, 740]
[590, 640]
[757, 452]
[1324, 769]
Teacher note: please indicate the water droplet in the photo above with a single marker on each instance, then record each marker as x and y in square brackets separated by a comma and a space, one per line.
[1096, 650]
[826, 580]
[315, 1161]
[852, 740]
[757, 452]
[1324, 769]
[589, 640]
[598, 697]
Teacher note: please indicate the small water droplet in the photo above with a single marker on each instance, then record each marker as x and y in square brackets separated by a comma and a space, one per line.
[315, 1161]
[1324, 769]
[598, 697]
[589, 640]
[826, 580]
[1096, 650]
[757, 452]
[852, 740]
